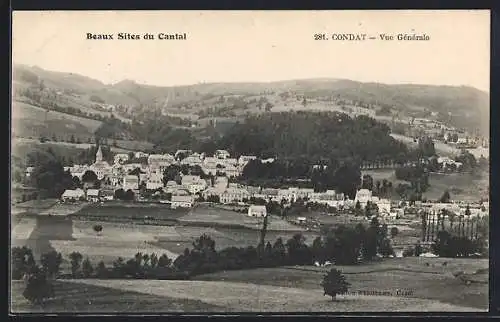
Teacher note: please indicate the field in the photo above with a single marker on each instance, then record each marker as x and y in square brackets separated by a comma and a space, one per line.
[213, 215]
[434, 282]
[74, 297]
[230, 296]
[441, 148]
[462, 186]
[43, 234]
[120, 210]
[29, 121]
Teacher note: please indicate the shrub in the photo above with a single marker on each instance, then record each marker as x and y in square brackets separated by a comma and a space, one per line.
[394, 232]
[51, 263]
[76, 260]
[418, 250]
[22, 262]
[385, 248]
[334, 283]
[101, 270]
[87, 268]
[38, 288]
[97, 228]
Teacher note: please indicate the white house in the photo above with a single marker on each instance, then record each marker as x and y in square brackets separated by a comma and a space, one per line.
[257, 211]
[93, 195]
[181, 201]
[29, 170]
[140, 154]
[121, 158]
[234, 195]
[73, 195]
[130, 182]
[244, 159]
[221, 183]
[154, 181]
[221, 154]
[363, 196]
[192, 160]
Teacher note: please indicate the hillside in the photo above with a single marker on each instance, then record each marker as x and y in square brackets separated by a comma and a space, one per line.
[464, 107]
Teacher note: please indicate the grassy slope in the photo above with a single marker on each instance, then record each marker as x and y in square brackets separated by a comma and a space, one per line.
[29, 121]
[435, 282]
[249, 297]
[81, 298]
[461, 186]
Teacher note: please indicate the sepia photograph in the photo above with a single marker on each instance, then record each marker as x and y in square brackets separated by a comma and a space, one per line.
[231, 162]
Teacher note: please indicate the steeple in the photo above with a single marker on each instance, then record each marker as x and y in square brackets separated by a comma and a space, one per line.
[98, 155]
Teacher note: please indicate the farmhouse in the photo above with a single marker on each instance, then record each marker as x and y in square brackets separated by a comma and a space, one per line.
[181, 202]
[130, 182]
[192, 160]
[244, 159]
[93, 195]
[363, 196]
[159, 160]
[139, 155]
[221, 154]
[121, 158]
[154, 181]
[73, 195]
[29, 170]
[257, 211]
[234, 195]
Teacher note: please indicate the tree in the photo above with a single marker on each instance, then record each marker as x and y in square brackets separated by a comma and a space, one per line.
[120, 194]
[334, 283]
[89, 176]
[51, 263]
[164, 261]
[22, 261]
[72, 139]
[318, 250]
[385, 248]
[38, 287]
[97, 228]
[394, 232]
[101, 270]
[367, 182]
[87, 268]
[418, 249]
[445, 198]
[48, 174]
[76, 260]
[426, 147]
[129, 195]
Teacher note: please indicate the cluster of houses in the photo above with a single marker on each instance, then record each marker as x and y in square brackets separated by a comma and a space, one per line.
[223, 167]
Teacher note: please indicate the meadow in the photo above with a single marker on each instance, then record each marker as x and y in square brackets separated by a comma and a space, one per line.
[434, 282]
[462, 186]
[252, 297]
[74, 297]
[32, 121]
[203, 214]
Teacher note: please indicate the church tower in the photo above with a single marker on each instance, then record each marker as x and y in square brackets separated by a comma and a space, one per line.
[98, 155]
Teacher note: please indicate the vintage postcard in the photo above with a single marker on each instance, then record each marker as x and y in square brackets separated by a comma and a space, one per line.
[250, 161]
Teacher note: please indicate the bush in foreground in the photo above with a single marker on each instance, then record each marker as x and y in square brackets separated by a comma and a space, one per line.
[334, 283]
[38, 287]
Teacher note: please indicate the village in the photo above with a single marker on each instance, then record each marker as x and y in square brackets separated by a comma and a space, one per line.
[131, 180]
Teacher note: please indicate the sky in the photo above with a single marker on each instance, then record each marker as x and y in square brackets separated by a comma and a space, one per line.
[247, 46]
